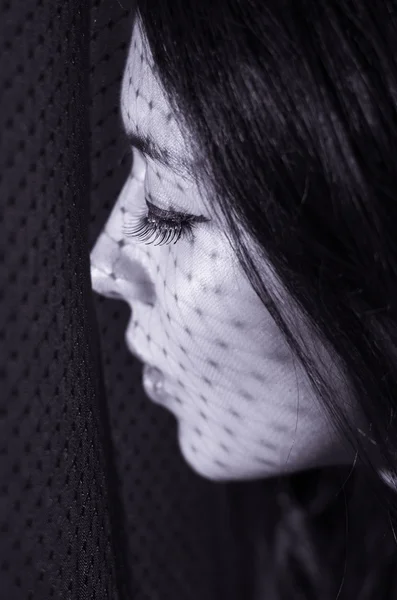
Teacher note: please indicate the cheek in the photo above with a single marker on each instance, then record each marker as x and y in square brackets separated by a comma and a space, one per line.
[207, 296]
[243, 406]
[217, 337]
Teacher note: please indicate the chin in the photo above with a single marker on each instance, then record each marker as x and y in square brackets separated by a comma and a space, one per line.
[205, 465]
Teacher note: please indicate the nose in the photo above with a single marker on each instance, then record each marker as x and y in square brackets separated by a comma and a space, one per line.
[119, 269]
[115, 274]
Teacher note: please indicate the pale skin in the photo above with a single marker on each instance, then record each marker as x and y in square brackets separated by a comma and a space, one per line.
[243, 405]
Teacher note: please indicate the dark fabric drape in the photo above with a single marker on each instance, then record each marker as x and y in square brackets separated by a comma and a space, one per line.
[56, 537]
[95, 499]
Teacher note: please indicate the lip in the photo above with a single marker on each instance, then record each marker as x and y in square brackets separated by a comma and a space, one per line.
[153, 383]
[152, 378]
[134, 351]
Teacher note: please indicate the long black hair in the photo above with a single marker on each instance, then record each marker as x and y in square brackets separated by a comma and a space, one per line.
[290, 108]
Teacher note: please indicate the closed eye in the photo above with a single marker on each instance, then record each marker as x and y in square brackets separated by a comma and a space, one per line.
[169, 225]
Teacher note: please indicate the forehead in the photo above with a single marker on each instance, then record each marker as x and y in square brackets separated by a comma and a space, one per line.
[144, 107]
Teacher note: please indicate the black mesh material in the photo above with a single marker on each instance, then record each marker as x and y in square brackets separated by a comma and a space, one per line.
[56, 533]
[95, 499]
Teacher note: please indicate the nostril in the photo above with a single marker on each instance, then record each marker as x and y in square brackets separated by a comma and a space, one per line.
[128, 282]
[115, 295]
[134, 280]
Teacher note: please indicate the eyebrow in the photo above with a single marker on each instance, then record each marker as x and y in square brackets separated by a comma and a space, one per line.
[148, 147]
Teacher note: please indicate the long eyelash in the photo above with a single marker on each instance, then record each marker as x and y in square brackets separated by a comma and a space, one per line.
[172, 226]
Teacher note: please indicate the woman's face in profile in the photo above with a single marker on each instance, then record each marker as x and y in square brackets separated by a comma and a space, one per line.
[243, 405]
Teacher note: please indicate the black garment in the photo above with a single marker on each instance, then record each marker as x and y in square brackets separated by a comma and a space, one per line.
[95, 499]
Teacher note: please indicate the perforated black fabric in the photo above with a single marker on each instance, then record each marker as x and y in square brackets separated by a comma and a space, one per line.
[55, 527]
[95, 498]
